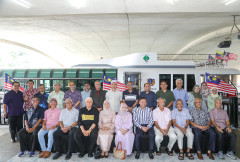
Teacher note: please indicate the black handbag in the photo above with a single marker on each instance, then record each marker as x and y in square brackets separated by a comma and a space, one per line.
[98, 152]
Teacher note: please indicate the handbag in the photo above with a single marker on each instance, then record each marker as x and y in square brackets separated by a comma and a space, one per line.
[119, 153]
[97, 153]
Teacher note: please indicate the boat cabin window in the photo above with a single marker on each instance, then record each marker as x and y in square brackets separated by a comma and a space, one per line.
[190, 82]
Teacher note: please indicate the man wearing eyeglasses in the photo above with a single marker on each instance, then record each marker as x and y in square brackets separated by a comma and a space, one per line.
[130, 97]
[13, 109]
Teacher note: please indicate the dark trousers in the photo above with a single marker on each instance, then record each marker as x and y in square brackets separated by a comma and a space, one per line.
[28, 139]
[220, 139]
[15, 125]
[151, 137]
[58, 136]
[91, 140]
[198, 138]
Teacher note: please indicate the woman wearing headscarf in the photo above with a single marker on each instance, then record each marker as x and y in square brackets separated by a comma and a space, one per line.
[106, 128]
[124, 129]
[212, 97]
[192, 96]
[205, 91]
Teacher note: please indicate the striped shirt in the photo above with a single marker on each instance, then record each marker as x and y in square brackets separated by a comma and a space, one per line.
[143, 116]
[69, 117]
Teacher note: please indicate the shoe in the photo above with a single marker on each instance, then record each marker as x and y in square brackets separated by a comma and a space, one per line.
[158, 153]
[200, 156]
[210, 155]
[137, 156]
[57, 155]
[150, 154]
[13, 140]
[90, 154]
[47, 154]
[31, 154]
[42, 154]
[81, 155]
[23, 153]
[231, 155]
[220, 155]
[68, 156]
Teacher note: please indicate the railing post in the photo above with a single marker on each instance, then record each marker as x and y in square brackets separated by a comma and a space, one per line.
[234, 111]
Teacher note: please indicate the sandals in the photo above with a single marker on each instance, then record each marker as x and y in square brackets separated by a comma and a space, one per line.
[158, 153]
[181, 156]
[170, 153]
[189, 156]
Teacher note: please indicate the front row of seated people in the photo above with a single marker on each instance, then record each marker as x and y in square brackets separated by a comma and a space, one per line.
[86, 127]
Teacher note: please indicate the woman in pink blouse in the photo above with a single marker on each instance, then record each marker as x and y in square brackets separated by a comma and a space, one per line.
[49, 126]
[106, 128]
[124, 129]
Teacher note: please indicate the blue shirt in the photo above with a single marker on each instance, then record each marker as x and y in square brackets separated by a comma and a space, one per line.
[14, 102]
[142, 116]
[151, 98]
[180, 94]
[84, 96]
[33, 115]
[130, 98]
[43, 99]
[181, 117]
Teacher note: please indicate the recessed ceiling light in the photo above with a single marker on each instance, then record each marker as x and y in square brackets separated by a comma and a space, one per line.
[78, 3]
[22, 3]
[227, 2]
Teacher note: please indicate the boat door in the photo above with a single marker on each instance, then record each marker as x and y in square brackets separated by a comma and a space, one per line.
[135, 78]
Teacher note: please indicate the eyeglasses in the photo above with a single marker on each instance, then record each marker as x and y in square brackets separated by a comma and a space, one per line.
[68, 102]
[198, 102]
[34, 100]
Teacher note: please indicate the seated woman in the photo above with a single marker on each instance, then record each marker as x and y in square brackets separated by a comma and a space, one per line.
[124, 129]
[49, 126]
[195, 94]
[106, 128]
[212, 97]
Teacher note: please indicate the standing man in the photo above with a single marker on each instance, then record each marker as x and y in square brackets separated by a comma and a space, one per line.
[86, 93]
[74, 94]
[13, 109]
[98, 96]
[28, 94]
[29, 136]
[143, 120]
[201, 124]
[130, 97]
[114, 96]
[180, 93]
[166, 94]
[150, 96]
[59, 95]
[43, 97]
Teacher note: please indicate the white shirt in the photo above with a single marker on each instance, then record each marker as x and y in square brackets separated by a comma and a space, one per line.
[69, 117]
[162, 117]
[114, 99]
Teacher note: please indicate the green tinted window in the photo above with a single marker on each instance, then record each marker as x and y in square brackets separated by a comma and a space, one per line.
[83, 73]
[111, 73]
[45, 74]
[57, 74]
[71, 73]
[32, 73]
[97, 73]
[19, 74]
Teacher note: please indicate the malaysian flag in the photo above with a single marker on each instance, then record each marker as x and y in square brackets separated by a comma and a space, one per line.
[8, 82]
[107, 84]
[219, 84]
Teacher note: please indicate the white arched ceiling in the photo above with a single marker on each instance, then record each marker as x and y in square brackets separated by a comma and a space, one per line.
[111, 28]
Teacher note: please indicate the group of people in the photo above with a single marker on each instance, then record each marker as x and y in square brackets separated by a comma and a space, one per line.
[92, 117]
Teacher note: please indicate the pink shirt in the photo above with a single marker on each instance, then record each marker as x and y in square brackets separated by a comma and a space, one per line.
[162, 117]
[51, 116]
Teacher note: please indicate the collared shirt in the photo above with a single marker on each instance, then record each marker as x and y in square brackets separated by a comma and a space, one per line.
[69, 117]
[162, 117]
[33, 115]
[200, 117]
[151, 98]
[51, 116]
[84, 96]
[43, 99]
[59, 96]
[75, 96]
[142, 116]
[14, 102]
[130, 98]
[168, 96]
[114, 99]
[88, 117]
[98, 98]
[29, 94]
[181, 117]
[220, 117]
[180, 94]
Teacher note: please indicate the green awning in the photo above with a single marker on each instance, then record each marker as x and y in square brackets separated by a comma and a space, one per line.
[83, 73]
[71, 73]
[111, 73]
[97, 73]
[57, 73]
[19, 74]
[32, 73]
[45, 74]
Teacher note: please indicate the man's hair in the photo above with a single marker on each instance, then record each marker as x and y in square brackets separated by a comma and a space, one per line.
[30, 80]
[143, 98]
[163, 81]
[146, 83]
[42, 85]
[97, 81]
[15, 82]
[179, 100]
[36, 98]
[161, 99]
[179, 79]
